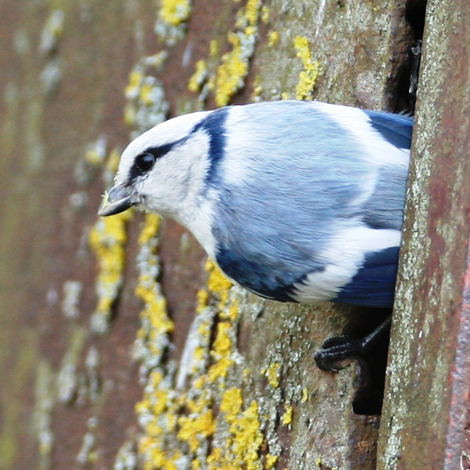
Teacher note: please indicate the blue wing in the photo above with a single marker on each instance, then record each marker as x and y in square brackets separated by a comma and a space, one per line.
[297, 186]
[394, 128]
[374, 283]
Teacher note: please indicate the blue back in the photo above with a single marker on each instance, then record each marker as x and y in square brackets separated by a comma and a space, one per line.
[308, 183]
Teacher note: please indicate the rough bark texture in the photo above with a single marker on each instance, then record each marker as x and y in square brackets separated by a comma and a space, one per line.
[102, 366]
[426, 413]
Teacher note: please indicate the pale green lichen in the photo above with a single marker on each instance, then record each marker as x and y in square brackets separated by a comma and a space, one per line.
[95, 153]
[44, 405]
[50, 76]
[126, 458]
[92, 377]
[88, 454]
[89, 165]
[52, 32]
[146, 105]
[72, 291]
[67, 378]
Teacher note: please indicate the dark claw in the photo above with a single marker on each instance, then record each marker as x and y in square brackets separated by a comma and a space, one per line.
[337, 349]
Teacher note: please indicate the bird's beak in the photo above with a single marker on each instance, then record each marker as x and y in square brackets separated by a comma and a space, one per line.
[117, 200]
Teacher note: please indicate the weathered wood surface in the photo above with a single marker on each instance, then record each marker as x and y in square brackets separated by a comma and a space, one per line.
[92, 364]
[425, 422]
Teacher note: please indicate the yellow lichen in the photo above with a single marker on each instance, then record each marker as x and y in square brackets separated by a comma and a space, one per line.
[202, 300]
[273, 373]
[271, 460]
[247, 437]
[158, 415]
[265, 14]
[175, 12]
[146, 94]
[221, 351]
[196, 428]
[304, 395]
[158, 409]
[172, 18]
[234, 67]
[309, 75]
[257, 89]
[218, 283]
[231, 312]
[107, 239]
[287, 416]
[214, 48]
[199, 76]
[231, 72]
[178, 424]
[243, 446]
[252, 11]
[231, 404]
[135, 79]
[273, 38]
[150, 229]
[156, 324]
[156, 61]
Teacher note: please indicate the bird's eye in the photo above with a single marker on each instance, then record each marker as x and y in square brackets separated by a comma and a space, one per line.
[144, 162]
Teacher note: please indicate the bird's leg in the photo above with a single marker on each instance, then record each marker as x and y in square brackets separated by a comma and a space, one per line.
[338, 348]
[415, 58]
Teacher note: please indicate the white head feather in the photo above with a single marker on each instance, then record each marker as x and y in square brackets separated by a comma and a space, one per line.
[175, 184]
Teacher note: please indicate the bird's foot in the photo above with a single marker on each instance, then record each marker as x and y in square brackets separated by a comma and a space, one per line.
[338, 349]
[337, 352]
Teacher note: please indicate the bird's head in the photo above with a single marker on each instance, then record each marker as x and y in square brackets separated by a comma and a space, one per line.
[162, 169]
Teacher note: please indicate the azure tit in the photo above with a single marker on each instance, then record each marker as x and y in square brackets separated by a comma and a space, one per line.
[297, 201]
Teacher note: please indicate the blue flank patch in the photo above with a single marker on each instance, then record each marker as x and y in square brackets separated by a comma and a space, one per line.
[374, 283]
[214, 125]
[394, 128]
[253, 277]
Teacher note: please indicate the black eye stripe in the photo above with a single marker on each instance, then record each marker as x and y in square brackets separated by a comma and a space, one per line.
[144, 162]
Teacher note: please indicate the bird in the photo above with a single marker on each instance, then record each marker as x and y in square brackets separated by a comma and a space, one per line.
[297, 201]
